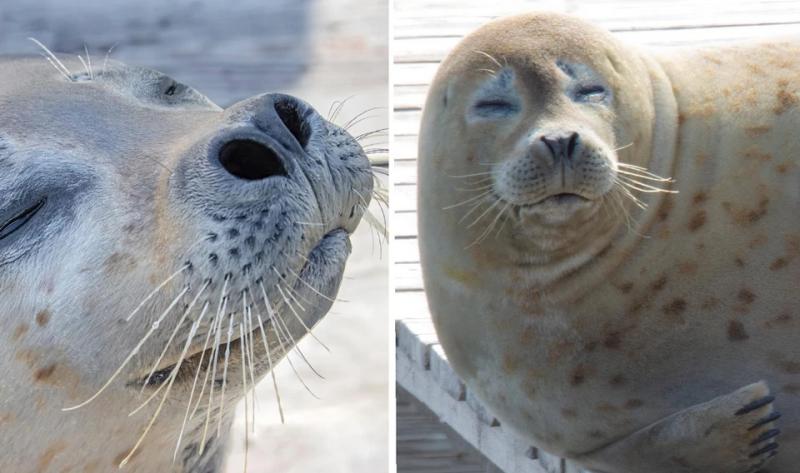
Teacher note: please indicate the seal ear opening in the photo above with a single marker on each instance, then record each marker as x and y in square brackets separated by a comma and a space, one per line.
[249, 160]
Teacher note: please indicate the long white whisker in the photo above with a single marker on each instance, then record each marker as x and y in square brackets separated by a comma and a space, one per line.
[194, 384]
[54, 60]
[225, 375]
[172, 377]
[300, 319]
[269, 356]
[133, 352]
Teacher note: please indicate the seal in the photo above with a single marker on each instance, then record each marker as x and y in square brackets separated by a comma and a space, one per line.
[159, 255]
[610, 247]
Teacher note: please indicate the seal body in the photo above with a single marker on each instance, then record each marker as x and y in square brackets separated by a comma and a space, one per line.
[159, 255]
[643, 332]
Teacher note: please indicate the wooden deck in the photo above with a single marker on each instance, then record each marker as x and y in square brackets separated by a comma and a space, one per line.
[424, 31]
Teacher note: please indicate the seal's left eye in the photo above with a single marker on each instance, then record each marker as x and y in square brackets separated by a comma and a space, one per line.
[591, 93]
[19, 220]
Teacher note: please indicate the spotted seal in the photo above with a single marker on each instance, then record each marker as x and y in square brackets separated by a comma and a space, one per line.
[610, 243]
[159, 255]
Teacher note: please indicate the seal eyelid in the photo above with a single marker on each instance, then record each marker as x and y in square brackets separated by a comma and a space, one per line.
[19, 220]
[591, 93]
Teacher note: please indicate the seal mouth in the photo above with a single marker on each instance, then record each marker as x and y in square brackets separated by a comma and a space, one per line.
[199, 354]
[563, 198]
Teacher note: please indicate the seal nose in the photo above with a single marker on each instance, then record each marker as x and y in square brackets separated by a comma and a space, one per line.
[562, 145]
[294, 115]
[286, 123]
[250, 160]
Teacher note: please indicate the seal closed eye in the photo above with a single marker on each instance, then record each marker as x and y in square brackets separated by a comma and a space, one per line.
[18, 221]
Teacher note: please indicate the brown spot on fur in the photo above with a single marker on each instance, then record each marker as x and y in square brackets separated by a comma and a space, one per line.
[782, 168]
[118, 459]
[42, 374]
[49, 455]
[633, 403]
[736, 331]
[6, 418]
[626, 288]
[510, 363]
[697, 220]
[568, 413]
[558, 349]
[755, 131]
[702, 158]
[738, 261]
[759, 240]
[710, 302]
[699, 198]
[786, 98]
[528, 335]
[597, 434]
[606, 407]
[613, 340]
[42, 317]
[659, 283]
[665, 208]
[756, 155]
[687, 267]
[778, 321]
[119, 263]
[778, 263]
[747, 216]
[617, 380]
[21, 330]
[579, 375]
[791, 367]
[791, 388]
[746, 296]
[675, 309]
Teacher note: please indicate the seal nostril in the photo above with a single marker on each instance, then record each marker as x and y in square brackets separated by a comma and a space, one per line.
[250, 160]
[294, 121]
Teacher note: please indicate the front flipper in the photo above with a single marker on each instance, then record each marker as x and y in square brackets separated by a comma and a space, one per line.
[734, 433]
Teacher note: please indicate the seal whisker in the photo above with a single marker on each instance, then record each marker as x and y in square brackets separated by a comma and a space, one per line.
[490, 227]
[378, 131]
[267, 350]
[133, 352]
[225, 374]
[244, 383]
[155, 291]
[223, 304]
[340, 105]
[248, 341]
[297, 316]
[105, 60]
[471, 199]
[360, 116]
[280, 335]
[645, 177]
[53, 59]
[153, 369]
[642, 187]
[172, 377]
[194, 385]
[492, 58]
[286, 331]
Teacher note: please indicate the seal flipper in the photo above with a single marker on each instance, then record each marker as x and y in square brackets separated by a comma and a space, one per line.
[734, 433]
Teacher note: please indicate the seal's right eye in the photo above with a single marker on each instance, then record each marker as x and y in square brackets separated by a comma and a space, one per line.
[19, 220]
[495, 108]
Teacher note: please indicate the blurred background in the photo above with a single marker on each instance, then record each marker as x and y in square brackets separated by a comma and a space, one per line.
[324, 52]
